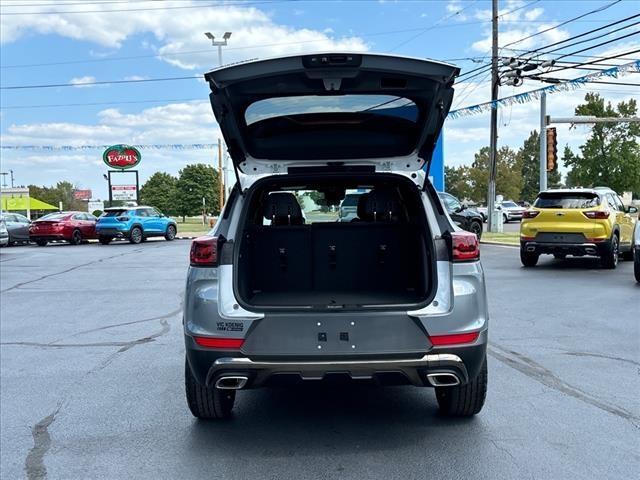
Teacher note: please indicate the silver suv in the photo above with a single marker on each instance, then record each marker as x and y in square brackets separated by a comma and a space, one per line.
[396, 295]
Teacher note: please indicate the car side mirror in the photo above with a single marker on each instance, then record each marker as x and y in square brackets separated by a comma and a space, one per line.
[632, 209]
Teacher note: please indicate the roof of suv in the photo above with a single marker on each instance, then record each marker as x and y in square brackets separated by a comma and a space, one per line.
[111, 209]
[595, 190]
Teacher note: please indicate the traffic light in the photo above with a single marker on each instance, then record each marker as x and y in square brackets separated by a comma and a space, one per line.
[552, 148]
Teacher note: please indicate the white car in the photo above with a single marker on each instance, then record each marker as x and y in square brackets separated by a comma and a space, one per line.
[511, 211]
[4, 234]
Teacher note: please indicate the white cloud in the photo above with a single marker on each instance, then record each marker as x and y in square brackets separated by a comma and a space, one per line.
[255, 34]
[80, 82]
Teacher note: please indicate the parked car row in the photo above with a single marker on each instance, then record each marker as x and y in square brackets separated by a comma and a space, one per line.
[135, 224]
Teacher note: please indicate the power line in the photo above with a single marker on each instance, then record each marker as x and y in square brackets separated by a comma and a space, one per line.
[600, 9]
[519, 8]
[148, 9]
[446, 17]
[588, 63]
[91, 104]
[106, 82]
[586, 33]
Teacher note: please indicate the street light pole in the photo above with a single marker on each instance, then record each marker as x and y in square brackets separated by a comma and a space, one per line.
[222, 180]
[219, 44]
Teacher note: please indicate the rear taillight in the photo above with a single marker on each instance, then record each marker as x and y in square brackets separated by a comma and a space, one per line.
[465, 246]
[530, 213]
[204, 252]
[454, 339]
[211, 342]
[597, 214]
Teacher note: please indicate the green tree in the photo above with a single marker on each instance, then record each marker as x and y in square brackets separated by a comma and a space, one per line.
[529, 159]
[161, 191]
[509, 178]
[195, 182]
[62, 192]
[457, 181]
[611, 155]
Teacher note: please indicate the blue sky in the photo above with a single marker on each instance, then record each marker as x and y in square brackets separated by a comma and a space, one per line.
[90, 46]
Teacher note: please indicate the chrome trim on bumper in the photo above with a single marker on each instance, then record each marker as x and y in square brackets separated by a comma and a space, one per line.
[358, 369]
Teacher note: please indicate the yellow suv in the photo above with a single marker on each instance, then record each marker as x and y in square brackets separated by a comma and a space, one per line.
[584, 221]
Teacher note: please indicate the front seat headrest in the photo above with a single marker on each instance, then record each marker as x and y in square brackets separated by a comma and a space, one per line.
[380, 205]
[282, 208]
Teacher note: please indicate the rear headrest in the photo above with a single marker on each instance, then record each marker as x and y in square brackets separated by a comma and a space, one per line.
[282, 208]
[379, 205]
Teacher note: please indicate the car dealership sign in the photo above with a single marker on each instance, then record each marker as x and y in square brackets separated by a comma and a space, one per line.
[121, 156]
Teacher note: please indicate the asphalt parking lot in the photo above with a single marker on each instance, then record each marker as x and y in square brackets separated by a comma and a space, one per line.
[92, 382]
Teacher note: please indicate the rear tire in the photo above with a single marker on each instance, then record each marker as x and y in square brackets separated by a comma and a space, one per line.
[42, 243]
[476, 227]
[505, 219]
[105, 240]
[464, 400]
[529, 259]
[170, 234]
[609, 258]
[76, 238]
[135, 235]
[636, 268]
[207, 403]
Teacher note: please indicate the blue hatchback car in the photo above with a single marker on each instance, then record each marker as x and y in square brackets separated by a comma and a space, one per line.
[135, 224]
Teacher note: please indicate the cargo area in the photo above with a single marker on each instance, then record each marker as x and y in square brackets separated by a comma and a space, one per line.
[380, 257]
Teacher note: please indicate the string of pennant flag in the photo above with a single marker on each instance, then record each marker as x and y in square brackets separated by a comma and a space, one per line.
[521, 98]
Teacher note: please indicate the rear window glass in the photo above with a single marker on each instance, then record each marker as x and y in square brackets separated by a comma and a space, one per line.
[54, 216]
[115, 213]
[351, 200]
[567, 200]
[389, 105]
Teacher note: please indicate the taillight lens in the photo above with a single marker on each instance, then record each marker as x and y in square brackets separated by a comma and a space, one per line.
[530, 213]
[597, 214]
[454, 339]
[204, 252]
[465, 246]
[210, 342]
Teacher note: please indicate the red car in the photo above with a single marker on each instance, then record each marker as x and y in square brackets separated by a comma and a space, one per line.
[73, 227]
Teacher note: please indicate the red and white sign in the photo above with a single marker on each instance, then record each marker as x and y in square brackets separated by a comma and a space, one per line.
[124, 192]
[82, 194]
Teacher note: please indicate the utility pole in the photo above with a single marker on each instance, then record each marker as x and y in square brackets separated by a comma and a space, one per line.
[11, 178]
[493, 138]
[543, 141]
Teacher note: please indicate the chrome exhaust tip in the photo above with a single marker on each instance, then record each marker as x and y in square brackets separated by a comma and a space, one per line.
[443, 379]
[590, 251]
[235, 382]
[531, 249]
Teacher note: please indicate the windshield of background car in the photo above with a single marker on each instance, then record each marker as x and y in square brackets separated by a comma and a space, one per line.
[567, 200]
[115, 213]
[54, 216]
[510, 204]
[387, 105]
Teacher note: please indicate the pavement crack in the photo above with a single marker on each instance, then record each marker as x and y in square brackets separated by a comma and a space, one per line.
[71, 269]
[534, 370]
[34, 463]
[599, 355]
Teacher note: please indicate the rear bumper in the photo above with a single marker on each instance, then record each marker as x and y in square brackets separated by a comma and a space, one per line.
[463, 362]
[112, 232]
[48, 237]
[578, 249]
